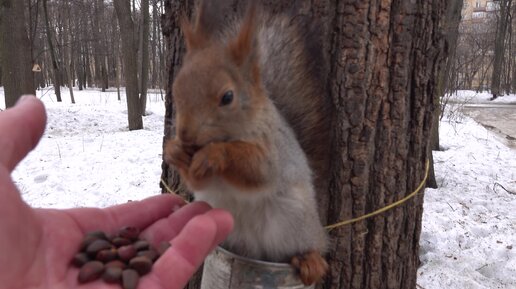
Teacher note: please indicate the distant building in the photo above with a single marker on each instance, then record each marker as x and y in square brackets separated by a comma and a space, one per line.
[478, 9]
[475, 47]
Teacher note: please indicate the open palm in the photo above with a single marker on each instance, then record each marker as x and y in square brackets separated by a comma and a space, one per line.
[36, 245]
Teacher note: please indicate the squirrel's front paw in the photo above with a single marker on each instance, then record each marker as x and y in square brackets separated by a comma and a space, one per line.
[311, 267]
[176, 155]
[208, 161]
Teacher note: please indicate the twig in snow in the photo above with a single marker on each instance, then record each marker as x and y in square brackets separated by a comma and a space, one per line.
[58, 149]
[451, 206]
[499, 185]
[483, 266]
[101, 143]
[419, 286]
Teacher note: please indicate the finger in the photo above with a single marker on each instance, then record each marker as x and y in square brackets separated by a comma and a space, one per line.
[189, 249]
[21, 127]
[139, 214]
[168, 228]
[224, 222]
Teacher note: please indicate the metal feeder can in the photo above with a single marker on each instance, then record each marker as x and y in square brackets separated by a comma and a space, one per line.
[225, 270]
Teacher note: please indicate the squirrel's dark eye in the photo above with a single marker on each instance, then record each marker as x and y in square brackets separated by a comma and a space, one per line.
[227, 98]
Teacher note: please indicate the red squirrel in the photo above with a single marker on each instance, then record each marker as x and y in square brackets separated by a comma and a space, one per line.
[242, 118]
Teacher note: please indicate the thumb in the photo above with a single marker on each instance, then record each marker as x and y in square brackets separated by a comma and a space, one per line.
[21, 127]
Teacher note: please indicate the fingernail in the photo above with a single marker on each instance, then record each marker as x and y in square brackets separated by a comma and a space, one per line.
[24, 98]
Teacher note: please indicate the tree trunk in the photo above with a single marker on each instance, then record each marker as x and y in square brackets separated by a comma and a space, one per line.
[69, 51]
[87, 67]
[79, 69]
[118, 74]
[513, 49]
[15, 55]
[118, 61]
[144, 38]
[96, 45]
[383, 59]
[55, 63]
[153, 43]
[127, 31]
[451, 29]
[162, 64]
[499, 50]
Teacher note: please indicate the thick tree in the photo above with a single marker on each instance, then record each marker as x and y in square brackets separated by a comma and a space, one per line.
[129, 56]
[383, 59]
[15, 53]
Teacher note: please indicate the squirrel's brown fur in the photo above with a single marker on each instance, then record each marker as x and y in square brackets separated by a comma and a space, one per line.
[248, 110]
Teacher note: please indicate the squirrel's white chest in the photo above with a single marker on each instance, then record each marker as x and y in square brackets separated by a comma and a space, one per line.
[260, 221]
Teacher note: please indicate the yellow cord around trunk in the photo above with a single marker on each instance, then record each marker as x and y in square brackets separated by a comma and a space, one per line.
[379, 211]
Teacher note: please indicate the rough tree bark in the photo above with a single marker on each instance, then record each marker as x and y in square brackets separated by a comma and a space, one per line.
[383, 59]
[15, 52]
[129, 55]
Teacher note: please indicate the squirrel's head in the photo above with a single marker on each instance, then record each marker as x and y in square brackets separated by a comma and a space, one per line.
[218, 88]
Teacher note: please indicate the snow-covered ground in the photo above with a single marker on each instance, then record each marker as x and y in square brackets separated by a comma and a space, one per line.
[469, 96]
[469, 222]
[88, 157]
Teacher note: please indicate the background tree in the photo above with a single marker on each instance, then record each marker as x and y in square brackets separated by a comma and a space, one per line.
[503, 24]
[15, 51]
[145, 57]
[77, 44]
[383, 61]
[451, 22]
[53, 54]
[69, 51]
[485, 53]
[129, 48]
[512, 50]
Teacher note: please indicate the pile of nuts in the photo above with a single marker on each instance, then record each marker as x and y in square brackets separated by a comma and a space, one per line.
[121, 258]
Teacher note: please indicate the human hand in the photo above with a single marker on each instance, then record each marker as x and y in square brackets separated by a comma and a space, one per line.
[37, 245]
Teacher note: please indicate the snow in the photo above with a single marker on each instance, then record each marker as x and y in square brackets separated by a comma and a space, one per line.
[88, 157]
[469, 222]
[470, 96]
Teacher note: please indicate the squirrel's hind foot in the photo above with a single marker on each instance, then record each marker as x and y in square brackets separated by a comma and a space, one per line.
[311, 267]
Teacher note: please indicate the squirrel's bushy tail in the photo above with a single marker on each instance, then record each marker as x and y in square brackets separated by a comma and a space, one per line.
[292, 68]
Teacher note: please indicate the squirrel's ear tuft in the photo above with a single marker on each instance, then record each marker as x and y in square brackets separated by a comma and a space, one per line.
[192, 38]
[243, 48]
[208, 19]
